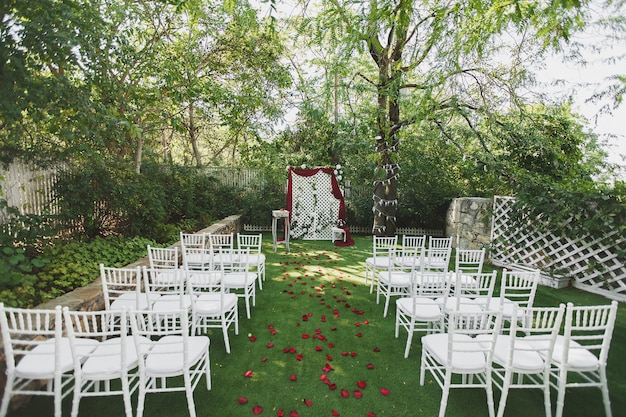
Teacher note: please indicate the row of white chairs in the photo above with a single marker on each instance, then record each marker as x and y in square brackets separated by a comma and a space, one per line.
[149, 351]
[205, 294]
[544, 347]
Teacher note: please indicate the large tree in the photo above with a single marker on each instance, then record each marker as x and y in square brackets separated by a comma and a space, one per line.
[441, 63]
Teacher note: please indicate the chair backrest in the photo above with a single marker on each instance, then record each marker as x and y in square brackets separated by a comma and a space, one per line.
[412, 245]
[439, 242]
[253, 242]
[384, 245]
[541, 325]
[429, 284]
[438, 259]
[220, 242]
[471, 334]
[163, 257]
[479, 286]
[197, 258]
[519, 287]
[160, 326]
[96, 325]
[161, 290]
[591, 328]
[193, 240]
[120, 283]
[24, 329]
[469, 260]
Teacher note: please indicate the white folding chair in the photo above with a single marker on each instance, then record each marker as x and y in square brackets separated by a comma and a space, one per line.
[113, 359]
[420, 312]
[257, 258]
[122, 289]
[242, 280]
[167, 294]
[462, 357]
[410, 251]
[437, 259]
[392, 281]
[193, 247]
[167, 261]
[174, 360]
[517, 288]
[469, 261]
[222, 246]
[522, 358]
[212, 306]
[582, 351]
[382, 247]
[471, 294]
[35, 350]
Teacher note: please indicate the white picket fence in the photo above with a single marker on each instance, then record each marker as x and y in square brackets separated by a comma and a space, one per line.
[592, 264]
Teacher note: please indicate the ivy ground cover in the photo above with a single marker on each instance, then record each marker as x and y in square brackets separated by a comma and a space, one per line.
[318, 345]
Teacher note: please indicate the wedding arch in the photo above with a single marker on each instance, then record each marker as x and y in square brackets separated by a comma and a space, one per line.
[315, 203]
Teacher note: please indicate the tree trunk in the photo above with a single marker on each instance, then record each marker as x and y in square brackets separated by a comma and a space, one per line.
[192, 136]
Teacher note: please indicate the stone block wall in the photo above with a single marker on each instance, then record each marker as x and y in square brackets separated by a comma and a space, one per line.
[90, 297]
[468, 222]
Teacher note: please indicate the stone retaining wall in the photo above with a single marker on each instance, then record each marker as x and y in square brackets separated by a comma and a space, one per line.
[469, 222]
[90, 297]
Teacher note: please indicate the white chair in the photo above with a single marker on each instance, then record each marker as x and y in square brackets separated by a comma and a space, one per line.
[517, 288]
[382, 247]
[466, 350]
[193, 246]
[167, 260]
[469, 261]
[410, 251]
[437, 259]
[420, 312]
[168, 294]
[113, 359]
[242, 280]
[582, 351]
[472, 293]
[212, 306]
[439, 242]
[122, 289]
[222, 246]
[35, 350]
[257, 258]
[392, 281]
[522, 358]
[174, 360]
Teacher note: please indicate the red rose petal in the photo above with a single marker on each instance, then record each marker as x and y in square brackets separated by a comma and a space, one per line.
[308, 403]
[270, 345]
[370, 366]
[299, 357]
[242, 400]
[293, 377]
[248, 374]
[345, 393]
[335, 413]
[384, 391]
[353, 354]
[359, 335]
[357, 394]
[371, 414]
[376, 349]
[293, 414]
[305, 336]
[361, 384]
[332, 387]
[280, 413]
[252, 338]
[257, 410]
[264, 359]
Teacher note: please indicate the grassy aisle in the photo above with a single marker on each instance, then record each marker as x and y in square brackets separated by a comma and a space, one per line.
[317, 345]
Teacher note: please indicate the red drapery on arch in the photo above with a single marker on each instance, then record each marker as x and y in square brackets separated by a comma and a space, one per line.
[309, 173]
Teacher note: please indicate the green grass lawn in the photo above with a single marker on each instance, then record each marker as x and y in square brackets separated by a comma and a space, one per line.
[317, 345]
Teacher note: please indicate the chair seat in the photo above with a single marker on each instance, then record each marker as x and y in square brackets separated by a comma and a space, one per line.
[166, 356]
[378, 262]
[426, 309]
[171, 302]
[462, 362]
[39, 362]
[204, 277]
[524, 358]
[579, 359]
[395, 279]
[463, 304]
[407, 261]
[239, 279]
[464, 280]
[209, 304]
[105, 361]
[507, 306]
[129, 300]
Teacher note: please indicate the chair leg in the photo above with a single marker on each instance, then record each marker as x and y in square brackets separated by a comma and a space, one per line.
[605, 392]
[128, 408]
[444, 395]
[409, 339]
[225, 333]
[208, 371]
[489, 392]
[141, 397]
[76, 400]
[505, 392]
[6, 397]
[189, 394]
[560, 399]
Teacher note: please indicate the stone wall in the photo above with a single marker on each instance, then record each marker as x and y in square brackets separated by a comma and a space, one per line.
[468, 222]
[90, 297]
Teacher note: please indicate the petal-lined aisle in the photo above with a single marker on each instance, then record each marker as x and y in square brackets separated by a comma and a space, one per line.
[320, 346]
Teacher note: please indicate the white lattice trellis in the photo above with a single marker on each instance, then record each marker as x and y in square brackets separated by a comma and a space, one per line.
[315, 209]
[593, 264]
